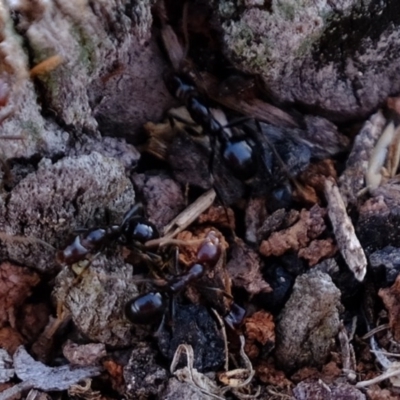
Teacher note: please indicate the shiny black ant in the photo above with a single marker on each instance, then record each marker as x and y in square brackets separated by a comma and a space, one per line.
[134, 230]
[248, 150]
[237, 151]
[151, 307]
[264, 158]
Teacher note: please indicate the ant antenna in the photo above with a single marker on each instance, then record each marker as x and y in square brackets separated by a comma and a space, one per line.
[185, 30]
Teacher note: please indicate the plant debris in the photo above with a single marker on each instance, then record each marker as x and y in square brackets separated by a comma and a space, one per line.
[39, 376]
[308, 227]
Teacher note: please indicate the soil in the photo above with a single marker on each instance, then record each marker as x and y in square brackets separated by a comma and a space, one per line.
[161, 163]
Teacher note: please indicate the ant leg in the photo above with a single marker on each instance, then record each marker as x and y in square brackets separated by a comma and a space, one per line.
[223, 292]
[282, 164]
[237, 121]
[176, 260]
[160, 327]
[185, 30]
[215, 187]
[174, 116]
[136, 209]
[76, 280]
[147, 256]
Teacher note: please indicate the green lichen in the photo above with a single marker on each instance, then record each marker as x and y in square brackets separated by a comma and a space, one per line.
[307, 44]
[264, 41]
[87, 48]
[227, 8]
[33, 129]
[287, 10]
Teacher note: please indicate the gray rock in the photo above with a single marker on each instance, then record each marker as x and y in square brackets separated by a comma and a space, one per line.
[52, 202]
[309, 322]
[97, 302]
[321, 391]
[338, 59]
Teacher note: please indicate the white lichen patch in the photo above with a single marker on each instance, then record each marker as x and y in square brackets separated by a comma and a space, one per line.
[265, 38]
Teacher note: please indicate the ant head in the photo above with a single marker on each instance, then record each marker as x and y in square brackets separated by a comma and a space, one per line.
[209, 251]
[136, 228]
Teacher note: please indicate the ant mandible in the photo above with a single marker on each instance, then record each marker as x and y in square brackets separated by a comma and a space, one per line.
[134, 230]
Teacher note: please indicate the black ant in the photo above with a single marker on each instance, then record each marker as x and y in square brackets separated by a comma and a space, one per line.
[134, 230]
[150, 307]
[250, 152]
[237, 152]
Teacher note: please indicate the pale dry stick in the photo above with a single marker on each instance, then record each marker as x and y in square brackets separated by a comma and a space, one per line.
[383, 361]
[392, 369]
[190, 214]
[385, 353]
[5, 237]
[372, 332]
[373, 175]
[224, 336]
[393, 157]
[343, 229]
[380, 378]
[54, 324]
[386, 151]
[233, 380]
[278, 395]
[191, 376]
[348, 358]
[15, 392]
[12, 137]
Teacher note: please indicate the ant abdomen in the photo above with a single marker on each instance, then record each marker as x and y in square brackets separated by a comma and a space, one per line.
[147, 308]
[88, 242]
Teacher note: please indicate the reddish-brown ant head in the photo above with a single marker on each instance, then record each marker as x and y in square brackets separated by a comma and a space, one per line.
[210, 250]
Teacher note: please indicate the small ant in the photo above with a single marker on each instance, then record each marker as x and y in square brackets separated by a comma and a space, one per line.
[134, 230]
[150, 307]
[237, 152]
[249, 151]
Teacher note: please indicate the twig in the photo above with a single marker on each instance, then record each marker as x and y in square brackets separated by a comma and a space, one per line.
[5, 237]
[347, 351]
[190, 214]
[376, 330]
[345, 235]
[377, 379]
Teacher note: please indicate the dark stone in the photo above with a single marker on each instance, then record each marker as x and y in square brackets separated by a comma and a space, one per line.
[193, 325]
